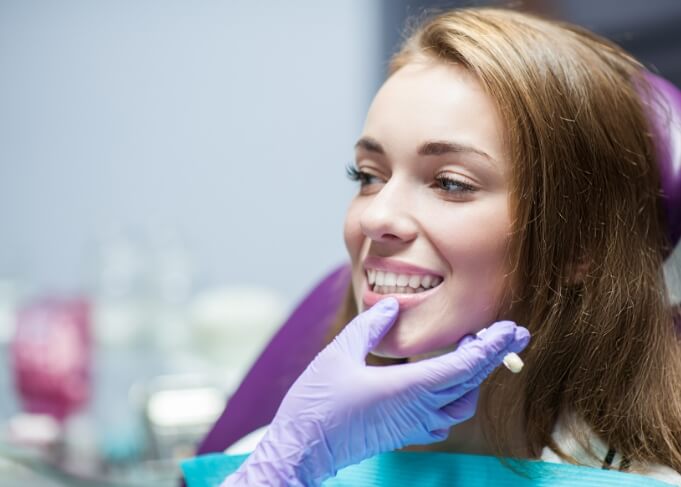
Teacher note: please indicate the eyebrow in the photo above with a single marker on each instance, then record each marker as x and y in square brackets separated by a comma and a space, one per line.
[370, 145]
[429, 148]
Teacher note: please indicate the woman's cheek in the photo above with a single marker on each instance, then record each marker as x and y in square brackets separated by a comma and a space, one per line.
[352, 231]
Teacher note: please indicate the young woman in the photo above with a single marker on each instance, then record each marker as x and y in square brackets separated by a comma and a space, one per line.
[507, 171]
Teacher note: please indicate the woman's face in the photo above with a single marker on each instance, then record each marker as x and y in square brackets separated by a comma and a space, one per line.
[431, 224]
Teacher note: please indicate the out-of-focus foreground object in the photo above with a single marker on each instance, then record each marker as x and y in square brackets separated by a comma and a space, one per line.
[296, 343]
[51, 356]
[665, 111]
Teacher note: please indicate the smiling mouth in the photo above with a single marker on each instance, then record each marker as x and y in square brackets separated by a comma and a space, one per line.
[382, 282]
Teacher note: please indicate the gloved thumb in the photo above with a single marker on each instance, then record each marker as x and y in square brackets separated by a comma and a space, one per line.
[363, 333]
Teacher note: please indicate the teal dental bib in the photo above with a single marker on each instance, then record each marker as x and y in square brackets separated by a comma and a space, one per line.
[430, 469]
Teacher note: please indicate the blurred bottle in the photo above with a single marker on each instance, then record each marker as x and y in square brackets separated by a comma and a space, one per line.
[170, 280]
[119, 291]
[9, 297]
[8, 303]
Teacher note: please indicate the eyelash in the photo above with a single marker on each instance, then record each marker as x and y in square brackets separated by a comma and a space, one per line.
[362, 177]
[462, 187]
[442, 182]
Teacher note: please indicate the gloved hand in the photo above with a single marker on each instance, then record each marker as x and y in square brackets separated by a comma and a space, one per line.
[341, 411]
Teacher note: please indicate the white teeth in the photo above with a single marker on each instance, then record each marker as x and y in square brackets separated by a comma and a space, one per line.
[371, 276]
[380, 278]
[396, 290]
[384, 282]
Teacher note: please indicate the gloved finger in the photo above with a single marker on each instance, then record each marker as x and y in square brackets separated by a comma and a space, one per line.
[452, 413]
[435, 427]
[452, 393]
[522, 336]
[463, 408]
[363, 333]
[439, 419]
[439, 434]
[457, 390]
[469, 359]
[466, 339]
[466, 361]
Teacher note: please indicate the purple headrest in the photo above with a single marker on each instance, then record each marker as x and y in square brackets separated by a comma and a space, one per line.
[666, 112]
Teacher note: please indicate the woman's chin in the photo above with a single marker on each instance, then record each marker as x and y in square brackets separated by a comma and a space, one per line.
[398, 346]
[392, 345]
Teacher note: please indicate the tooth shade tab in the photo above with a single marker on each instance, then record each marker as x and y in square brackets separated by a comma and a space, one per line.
[513, 362]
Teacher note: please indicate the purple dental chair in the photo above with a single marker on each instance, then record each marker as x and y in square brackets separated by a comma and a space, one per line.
[667, 124]
[301, 337]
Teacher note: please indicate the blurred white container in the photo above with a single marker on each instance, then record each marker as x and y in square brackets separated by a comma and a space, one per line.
[232, 324]
[8, 303]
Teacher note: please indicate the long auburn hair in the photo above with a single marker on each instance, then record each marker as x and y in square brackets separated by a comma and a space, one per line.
[588, 242]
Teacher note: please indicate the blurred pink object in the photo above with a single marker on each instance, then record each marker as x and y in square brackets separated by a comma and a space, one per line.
[51, 356]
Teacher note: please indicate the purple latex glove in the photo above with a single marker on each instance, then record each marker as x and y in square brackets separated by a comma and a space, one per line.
[341, 411]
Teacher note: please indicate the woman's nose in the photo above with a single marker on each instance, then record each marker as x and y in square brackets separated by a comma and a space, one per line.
[389, 215]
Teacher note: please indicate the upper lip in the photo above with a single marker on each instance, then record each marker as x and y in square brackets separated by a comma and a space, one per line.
[396, 266]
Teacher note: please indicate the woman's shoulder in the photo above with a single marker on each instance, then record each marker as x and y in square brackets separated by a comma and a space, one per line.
[587, 449]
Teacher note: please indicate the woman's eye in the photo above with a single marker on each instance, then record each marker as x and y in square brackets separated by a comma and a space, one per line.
[451, 185]
[364, 178]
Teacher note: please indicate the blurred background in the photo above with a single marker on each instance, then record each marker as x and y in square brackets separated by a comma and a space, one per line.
[171, 183]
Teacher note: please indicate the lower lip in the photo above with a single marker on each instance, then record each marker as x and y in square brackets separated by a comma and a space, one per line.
[406, 301]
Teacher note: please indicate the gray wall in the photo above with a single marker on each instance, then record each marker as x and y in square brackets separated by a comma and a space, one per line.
[226, 122]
